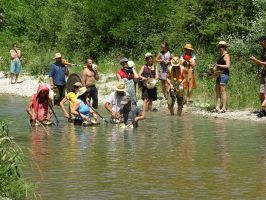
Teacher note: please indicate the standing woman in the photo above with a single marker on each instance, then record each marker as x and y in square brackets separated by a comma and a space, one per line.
[15, 67]
[164, 58]
[190, 58]
[82, 110]
[223, 64]
[148, 73]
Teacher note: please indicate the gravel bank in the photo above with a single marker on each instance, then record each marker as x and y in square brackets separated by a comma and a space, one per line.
[105, 87]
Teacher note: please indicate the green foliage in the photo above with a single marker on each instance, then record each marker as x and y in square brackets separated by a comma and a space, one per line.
[107, 30]
[12, 185]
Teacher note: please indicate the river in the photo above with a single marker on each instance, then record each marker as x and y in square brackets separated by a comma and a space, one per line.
[165, 158]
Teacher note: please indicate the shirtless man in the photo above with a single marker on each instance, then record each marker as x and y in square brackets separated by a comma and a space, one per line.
[89, 76]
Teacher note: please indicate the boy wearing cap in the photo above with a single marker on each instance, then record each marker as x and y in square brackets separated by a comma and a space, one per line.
[262, 63]
[57, 76]
[89, 76]
[72, 98]
[130, 114]
[121, 73]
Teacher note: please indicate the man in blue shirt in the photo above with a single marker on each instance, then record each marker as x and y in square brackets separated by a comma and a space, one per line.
[57, 75]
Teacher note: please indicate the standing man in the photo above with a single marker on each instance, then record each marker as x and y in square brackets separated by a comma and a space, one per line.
[15, 67]
[89, 76]
[262, 63]
[57, 75]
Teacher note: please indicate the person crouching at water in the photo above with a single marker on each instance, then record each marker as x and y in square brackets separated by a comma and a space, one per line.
[113, 102]
[72, 98]
[84, 115]
[175, 80]
[147, 72]
[40, 106]
[130, 114]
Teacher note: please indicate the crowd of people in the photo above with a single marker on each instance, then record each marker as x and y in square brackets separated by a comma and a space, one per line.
[175, 73]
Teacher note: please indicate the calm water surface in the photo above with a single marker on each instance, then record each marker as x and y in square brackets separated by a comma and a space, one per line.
[165, 158]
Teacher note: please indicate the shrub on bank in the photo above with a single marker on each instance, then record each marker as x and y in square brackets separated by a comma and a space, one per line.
[12, 184]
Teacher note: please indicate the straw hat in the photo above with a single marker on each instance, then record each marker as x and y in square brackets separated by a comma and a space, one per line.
[222, 43]
[148, 55]
[120, 87]
[188, 46]
[175, 61]
[81, 91]
[78, 84]
[131, 64]
[151, 83]
[57, 55]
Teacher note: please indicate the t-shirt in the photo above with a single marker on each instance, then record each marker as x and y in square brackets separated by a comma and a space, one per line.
[183, 56]
[122, 73]
[130, 115]
[72, 98]
[58, 74]
[115, 101]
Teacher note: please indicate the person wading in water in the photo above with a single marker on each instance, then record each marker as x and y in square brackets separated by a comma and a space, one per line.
[175, 80]
[72, 98]
[38, 106]
[89, 76]
[57, 76]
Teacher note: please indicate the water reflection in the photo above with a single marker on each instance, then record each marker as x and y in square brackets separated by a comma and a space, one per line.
[165, 158]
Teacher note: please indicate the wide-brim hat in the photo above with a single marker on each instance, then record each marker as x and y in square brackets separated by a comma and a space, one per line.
[151, 83]
[125, 100]
[131, 64]
[222, 43]
[147, 55]
[78, 84]
[214, 74]
[57, 55]
[175, 61]
[120, 87]
[188, 46]
[82, 91]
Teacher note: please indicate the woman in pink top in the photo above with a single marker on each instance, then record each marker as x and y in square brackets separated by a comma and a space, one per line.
[15, 67]
[38, 107]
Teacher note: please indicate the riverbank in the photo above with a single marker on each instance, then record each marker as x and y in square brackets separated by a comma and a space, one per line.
[28, 86]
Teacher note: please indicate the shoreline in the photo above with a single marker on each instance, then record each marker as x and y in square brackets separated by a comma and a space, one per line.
[29, 85]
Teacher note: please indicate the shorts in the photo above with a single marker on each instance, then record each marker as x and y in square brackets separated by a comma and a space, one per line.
[262, 88]
[172, 97]
[222, 79]
[15, 67]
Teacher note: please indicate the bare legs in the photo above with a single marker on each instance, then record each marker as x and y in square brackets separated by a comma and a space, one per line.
[12, 77]
[221, 95]
[147, 105]
[163, 84]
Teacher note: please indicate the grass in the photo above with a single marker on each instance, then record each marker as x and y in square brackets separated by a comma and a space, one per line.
[12, 184]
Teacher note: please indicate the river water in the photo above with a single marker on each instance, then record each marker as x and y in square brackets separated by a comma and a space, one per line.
[165, 158]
